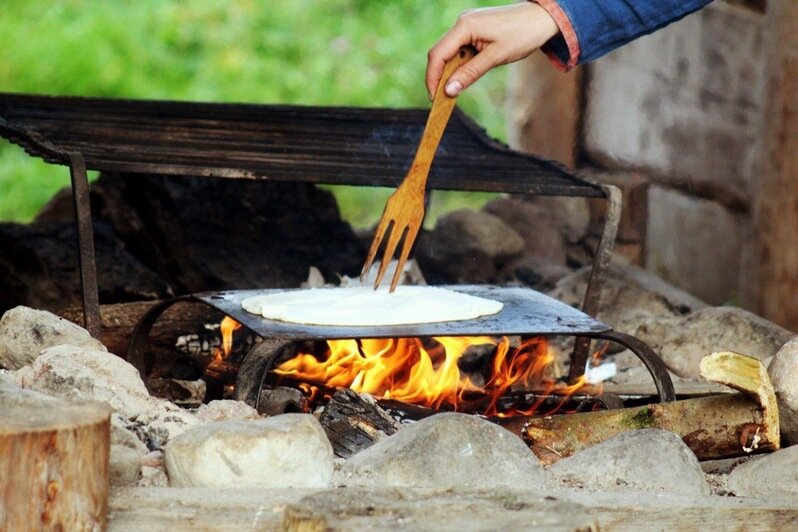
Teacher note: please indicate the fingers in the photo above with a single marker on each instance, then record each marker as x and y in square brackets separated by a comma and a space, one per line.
[466, 75]
[444, 50]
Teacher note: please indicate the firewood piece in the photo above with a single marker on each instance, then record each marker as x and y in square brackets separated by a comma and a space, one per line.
[119, 321]
[722, 426]
[181, 392]
[749, 376]
[354, 422]
[53, 462]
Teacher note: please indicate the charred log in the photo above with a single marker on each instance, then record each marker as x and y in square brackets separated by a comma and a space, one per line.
[354, 422]
[38, 268]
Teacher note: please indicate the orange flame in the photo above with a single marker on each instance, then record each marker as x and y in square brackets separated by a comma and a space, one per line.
[403, 369]
[227, 327]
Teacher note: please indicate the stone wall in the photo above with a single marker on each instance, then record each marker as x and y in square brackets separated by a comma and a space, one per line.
[675, 119]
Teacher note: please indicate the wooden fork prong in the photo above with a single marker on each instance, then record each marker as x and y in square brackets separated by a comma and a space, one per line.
[407, 245]
[379, 234]
[390, 248]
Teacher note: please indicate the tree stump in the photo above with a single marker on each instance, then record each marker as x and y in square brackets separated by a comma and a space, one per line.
[53, 462]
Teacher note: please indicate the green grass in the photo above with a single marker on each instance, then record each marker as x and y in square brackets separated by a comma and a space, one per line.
[321, 52]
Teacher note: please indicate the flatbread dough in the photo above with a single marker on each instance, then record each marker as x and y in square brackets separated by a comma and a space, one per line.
[363, 306]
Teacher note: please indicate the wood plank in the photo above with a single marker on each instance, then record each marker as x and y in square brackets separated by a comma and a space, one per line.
[772, 288]
[169, 509]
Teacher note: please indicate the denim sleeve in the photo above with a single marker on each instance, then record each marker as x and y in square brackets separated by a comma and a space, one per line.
[592, 28]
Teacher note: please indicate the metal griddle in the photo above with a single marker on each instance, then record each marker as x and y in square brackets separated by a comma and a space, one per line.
[525, 312]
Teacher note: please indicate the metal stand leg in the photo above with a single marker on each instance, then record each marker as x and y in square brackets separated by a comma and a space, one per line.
[654, 365]
[86, 260]
[590, 306]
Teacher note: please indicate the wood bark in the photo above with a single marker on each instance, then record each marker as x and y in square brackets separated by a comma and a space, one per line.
[353, 423]
[119, 321]
[53, 463]
[720, 426]
[775, 254]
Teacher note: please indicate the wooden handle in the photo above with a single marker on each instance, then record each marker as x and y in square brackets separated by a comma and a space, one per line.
[439, 113]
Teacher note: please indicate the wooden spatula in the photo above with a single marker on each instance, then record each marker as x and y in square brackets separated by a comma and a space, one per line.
[404, 210]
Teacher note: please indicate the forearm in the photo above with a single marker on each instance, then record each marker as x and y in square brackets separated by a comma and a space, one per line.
[592, 28]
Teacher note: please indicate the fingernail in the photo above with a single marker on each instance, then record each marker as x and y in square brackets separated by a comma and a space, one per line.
[453, 88]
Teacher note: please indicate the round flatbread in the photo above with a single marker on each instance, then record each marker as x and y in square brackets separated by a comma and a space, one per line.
[363, 306]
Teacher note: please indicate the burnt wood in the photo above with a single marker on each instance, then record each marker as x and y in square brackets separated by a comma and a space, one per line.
[337, 145]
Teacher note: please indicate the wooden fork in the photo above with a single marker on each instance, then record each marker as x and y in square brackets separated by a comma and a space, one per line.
[404, 210]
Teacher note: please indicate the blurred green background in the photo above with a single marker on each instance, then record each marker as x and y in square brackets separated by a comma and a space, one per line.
[323, 52]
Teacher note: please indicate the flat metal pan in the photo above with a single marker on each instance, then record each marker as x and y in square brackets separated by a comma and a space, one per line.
[525, 312]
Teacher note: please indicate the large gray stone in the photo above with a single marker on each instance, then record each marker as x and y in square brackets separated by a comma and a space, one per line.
[768, 476]
[630, 296]
[25, 332]
[695, 244]
[483, 230]
[542, 235]
[71, 372]
[783, 371]
[650, 460]
[465, 247]
[287, 451]
[225, 409]
[446, 451]
[682, 342]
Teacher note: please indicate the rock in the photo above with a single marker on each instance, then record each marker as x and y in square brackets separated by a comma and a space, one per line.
[123, 435]
[153, 471]
[161, 424]
[124, 467]
[25, 332]
[630, 297]
[446, 451]
[695, 243]
[650, 460]
[221, 410]
[483, 230]
[287, 451]
[542, 237]
[465, 247]
[769, 476]
[71, 372]
[783, 371]
[442, 264]
[538, 273]
[683, 341]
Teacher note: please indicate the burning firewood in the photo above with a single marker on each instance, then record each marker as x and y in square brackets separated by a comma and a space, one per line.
[354, 422]
[720, 426]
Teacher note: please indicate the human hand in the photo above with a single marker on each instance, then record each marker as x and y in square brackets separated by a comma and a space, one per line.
[501, 35]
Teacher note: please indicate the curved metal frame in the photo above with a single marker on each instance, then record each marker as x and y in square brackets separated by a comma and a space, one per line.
[139, 356]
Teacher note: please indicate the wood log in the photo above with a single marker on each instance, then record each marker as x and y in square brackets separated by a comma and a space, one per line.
[119, 320]
[722, 426]
[353, 422]
[53, 462]
[773, 283]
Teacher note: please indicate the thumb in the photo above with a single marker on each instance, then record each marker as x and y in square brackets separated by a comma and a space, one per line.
[467, 74]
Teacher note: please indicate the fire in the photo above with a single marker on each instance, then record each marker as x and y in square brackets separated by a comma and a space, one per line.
[406, 370]
[227, 328]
